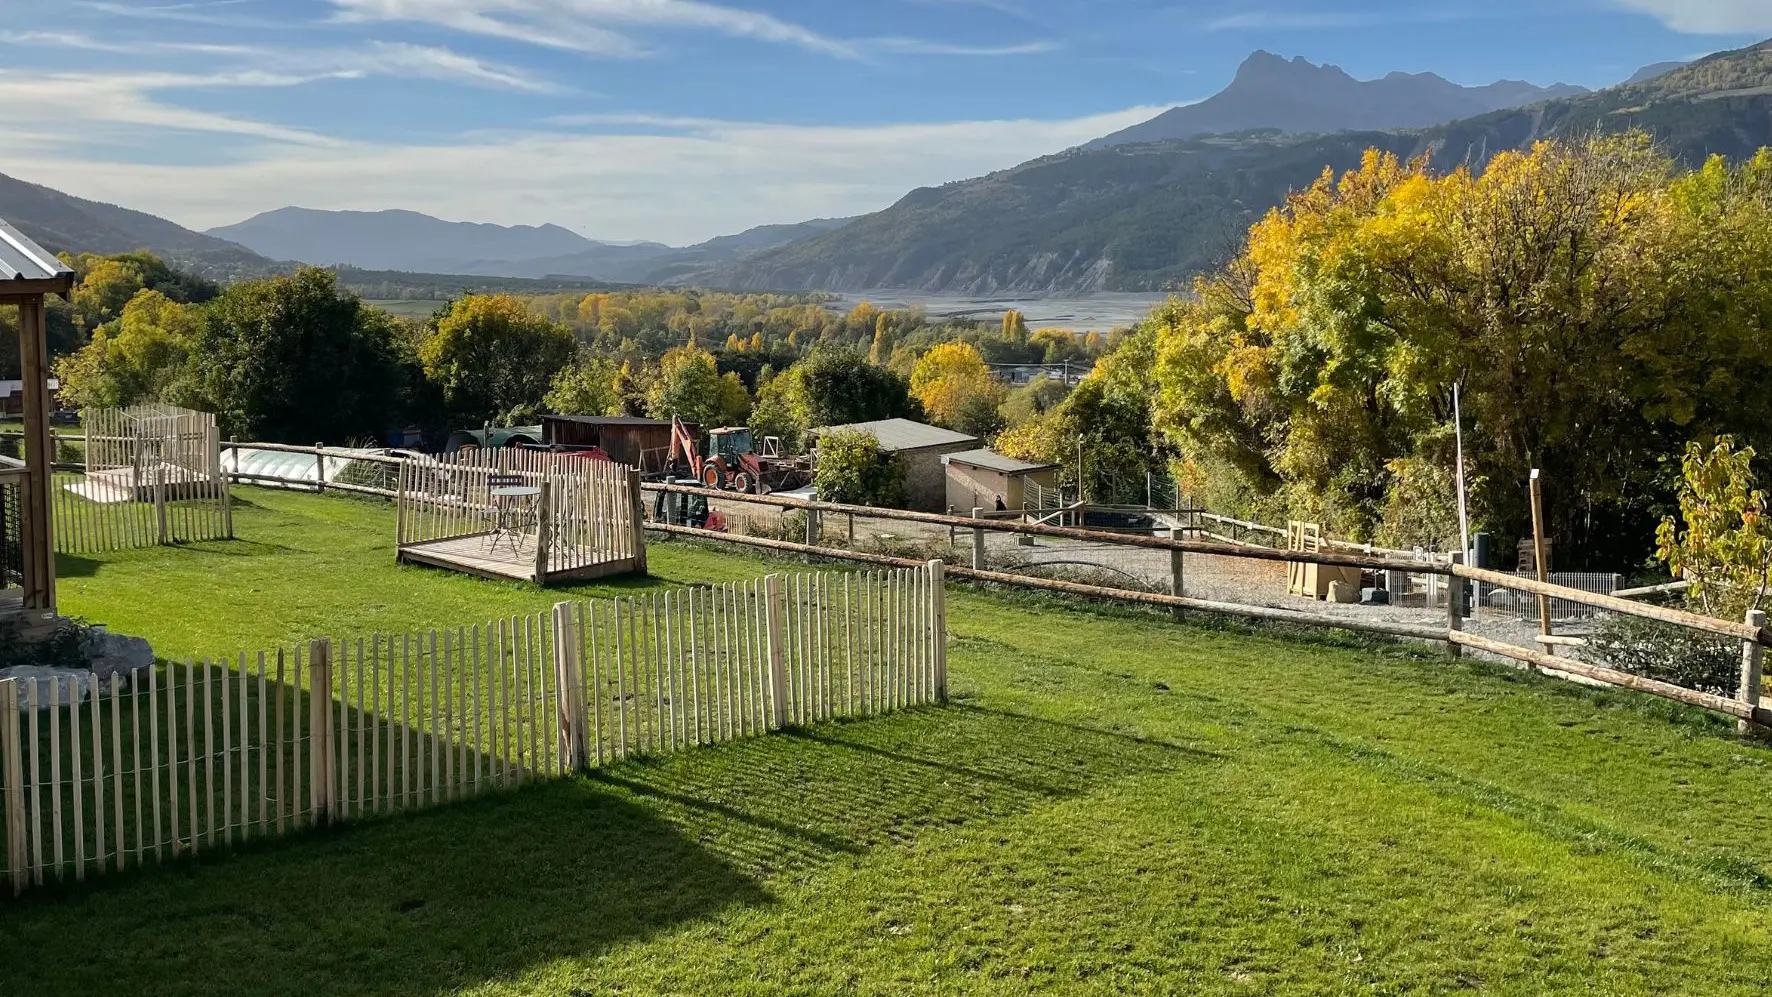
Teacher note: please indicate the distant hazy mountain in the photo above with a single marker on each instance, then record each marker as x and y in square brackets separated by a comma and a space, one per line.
[394, 240]
[1650, 72]
[1146, 217]
[417, 243]
[1271, 92]
[62, 222]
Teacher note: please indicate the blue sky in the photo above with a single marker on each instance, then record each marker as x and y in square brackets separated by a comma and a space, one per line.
[678, 120]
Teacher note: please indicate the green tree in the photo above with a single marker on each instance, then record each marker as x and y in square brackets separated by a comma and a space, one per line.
[688, 386]
[1015, 328]
[291, 359]
[1033, 399]
[492, 355]
[136, 358]
[853, 469]
[839, 386]
[1722, 540]
[585, 387]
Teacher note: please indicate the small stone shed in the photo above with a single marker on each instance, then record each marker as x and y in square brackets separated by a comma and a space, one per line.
[980, 479]
[920, 448]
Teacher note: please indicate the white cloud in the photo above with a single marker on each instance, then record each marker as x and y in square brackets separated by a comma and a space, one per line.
[697, 179]
[1293, 20]
[1708, 17]
[579, 25]
[64, 108]
[85, 42]
[917, 46]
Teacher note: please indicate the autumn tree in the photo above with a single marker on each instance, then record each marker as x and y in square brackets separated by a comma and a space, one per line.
[491, 356]
[136, 358]
[957, 390]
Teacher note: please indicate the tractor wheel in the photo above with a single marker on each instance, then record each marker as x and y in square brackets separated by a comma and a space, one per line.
[741, 482]
[710, 476]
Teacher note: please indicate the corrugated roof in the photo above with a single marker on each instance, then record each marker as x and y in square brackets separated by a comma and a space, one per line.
[991, 460]
[608, 420]
[22, 259]
[903, 434]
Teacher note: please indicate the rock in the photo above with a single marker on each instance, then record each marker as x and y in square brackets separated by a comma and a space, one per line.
[40, 687]
[1344, 593]
[1375, 597]
[116, 654]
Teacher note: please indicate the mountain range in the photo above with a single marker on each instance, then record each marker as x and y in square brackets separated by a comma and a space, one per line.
[1121, 213]
[1294, 95]
[416, 243]
[1146, 216]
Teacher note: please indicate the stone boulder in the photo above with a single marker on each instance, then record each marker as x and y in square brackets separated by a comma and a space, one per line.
[110, 654]
[40, 687]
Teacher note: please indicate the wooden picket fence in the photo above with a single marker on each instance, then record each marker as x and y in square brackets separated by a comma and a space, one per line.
[584, 521]
[151, 474]
[208, 754]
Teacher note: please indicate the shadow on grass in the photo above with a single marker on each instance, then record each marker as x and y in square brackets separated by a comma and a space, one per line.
[487, 890]
[75, 566]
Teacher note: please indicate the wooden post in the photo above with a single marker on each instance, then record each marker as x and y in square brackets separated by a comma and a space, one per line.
[160, 501]
[1176, 574]
[852, 531]
[399, 508]
[977, 540]
[319, 467]
[544, 528]
[320, 746]
[38, 524]
[814, 531]
[637, 507]
[1455, 605]
[938, 617]
[1753, 658]
[1538, 558]
[778, 671]
[227, 485]
[569, 689]
[18, 854]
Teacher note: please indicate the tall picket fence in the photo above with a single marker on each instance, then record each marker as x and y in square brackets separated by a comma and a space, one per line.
[100, 776]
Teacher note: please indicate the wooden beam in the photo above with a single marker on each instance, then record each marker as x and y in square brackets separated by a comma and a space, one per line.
[1613, 677]
[1624, 607]
[36, 537]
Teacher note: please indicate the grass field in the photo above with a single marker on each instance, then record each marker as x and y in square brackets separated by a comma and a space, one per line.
[1114, 804]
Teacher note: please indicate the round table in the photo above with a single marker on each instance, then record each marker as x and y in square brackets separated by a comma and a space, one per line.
[509, 499]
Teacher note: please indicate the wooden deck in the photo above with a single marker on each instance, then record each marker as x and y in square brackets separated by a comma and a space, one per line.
[472, 555]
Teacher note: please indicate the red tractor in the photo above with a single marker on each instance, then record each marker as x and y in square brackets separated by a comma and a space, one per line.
[732, 462]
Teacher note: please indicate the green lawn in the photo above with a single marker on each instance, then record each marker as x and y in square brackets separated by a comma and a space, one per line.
[1115, 804]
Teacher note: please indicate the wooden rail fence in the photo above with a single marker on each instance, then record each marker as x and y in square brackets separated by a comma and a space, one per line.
[100, 776]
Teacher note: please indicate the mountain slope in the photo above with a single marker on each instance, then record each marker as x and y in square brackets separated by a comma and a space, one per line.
[394, 240]
[64, 223]
[1145, 217]
[1302, 97]
[1652, 71]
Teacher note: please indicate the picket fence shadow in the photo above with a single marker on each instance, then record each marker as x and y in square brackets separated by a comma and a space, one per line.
[206, 755]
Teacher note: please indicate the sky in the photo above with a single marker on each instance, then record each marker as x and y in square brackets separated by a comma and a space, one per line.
[679, 120]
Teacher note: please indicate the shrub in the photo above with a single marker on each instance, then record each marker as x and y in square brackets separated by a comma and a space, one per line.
[853, 469]
[1667, 653]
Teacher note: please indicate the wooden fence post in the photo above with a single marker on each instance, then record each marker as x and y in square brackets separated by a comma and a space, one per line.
[320, 467]
[399, 508]
[569, 694]
[320, 746]
[977, 541]
[18, 855]
[1753, 658]
[637, 509]
[1540, 563]
[544, 528]
[227, 484]
[1455, 605]
[778, 671]
[814, 531]
[1176, 573]
[160, 500]
[938, 617]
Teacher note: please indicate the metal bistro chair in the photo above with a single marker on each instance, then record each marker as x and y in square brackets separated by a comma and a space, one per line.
[514, 502]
